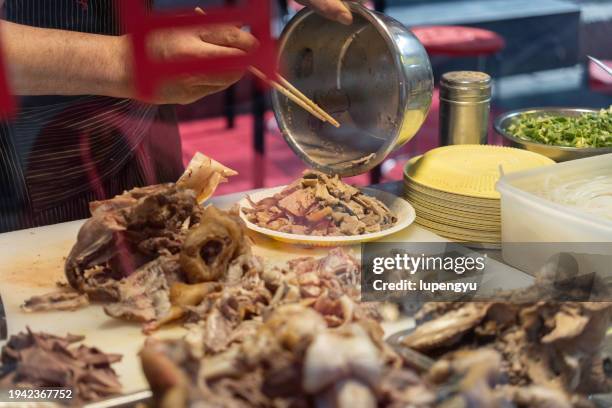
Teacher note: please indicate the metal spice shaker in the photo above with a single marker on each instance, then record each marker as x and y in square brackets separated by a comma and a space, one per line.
[465, 99]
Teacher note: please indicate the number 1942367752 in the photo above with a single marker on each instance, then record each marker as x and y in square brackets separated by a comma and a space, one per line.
[35, 394]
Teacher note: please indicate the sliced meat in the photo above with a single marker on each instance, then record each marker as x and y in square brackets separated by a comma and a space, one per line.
[40, 360]
[297, 203]
[318, 204]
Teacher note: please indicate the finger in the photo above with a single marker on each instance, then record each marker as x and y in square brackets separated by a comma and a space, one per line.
[221, 80]
[203, 49]
[210, 51]
[229, 36]
[200, 92]
[224, 79]
[333, 9]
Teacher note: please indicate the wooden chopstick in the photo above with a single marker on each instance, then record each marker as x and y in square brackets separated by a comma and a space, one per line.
[293, 97]
[291, 92]
[308, 101]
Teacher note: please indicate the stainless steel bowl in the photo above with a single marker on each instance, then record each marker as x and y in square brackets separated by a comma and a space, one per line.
[373, 76]
[557, 153]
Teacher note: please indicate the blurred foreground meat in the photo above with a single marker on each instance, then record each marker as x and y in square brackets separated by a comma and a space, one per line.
[39, 360]
[318, 204]
[292, 359]
[549, 352]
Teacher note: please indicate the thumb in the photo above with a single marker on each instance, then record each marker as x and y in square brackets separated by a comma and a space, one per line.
[333, 9]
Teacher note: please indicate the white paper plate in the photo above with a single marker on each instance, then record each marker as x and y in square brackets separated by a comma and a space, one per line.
[401, 208]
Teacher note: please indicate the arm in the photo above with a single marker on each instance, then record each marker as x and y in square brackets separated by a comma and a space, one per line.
[56, 62]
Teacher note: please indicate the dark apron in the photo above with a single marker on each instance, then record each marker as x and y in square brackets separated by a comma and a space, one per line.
[60, 153]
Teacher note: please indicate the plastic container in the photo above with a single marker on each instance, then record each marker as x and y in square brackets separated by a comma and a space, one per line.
[529, 218]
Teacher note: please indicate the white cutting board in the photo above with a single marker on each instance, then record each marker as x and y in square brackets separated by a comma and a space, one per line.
[32, 261]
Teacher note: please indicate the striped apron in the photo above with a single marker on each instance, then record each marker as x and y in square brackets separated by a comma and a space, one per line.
[60, 152]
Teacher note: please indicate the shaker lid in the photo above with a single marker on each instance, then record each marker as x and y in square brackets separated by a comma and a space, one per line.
[466, 84]
[470, 79]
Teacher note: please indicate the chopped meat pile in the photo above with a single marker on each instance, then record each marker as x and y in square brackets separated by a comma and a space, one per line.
[281, 337]
[297, 336]
[39, 360]
[154, 256]
[127, 232]
[549, 352]
[292, 359]
[330, 285]
[318, 204]
[152, 253]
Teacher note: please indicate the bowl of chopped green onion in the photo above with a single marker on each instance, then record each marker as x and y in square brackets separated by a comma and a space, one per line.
[561, 134]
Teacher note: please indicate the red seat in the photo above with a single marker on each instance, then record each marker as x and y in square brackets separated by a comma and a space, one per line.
[599, 80]
[297, 6]
[459, 41]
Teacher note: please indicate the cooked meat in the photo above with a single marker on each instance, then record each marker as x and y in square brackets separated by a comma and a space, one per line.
[60, 300]
[292, 360]
[298, 202]
[447, 329]
[542, 344]
[477, 378]
[125, 233]
[212, 246]
[330, 285]
[318, 204]
[148, 251]
[298, 336]
[38, 360]
[222, 310]
[144, 296]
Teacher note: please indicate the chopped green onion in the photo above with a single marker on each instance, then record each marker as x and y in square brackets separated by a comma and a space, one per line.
[586, 130]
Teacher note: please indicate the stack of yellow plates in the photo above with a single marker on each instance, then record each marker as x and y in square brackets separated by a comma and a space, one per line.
[452, 189]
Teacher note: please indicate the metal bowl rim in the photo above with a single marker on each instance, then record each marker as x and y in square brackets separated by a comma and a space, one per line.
[511, 114]
[383, 30]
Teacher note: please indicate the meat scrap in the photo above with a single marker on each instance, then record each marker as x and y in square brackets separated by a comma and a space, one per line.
[318, 204]
[203, 175]
[60, 300]
[38, 360]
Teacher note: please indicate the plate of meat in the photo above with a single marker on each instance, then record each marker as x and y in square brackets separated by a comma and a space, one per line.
[321, 210]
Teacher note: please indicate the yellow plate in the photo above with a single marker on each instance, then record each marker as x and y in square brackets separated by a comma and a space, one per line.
[457, 221]
[469, 232]
[456, 211]
[470, 170]
[459, 237]
[485, 204]
[401, 208]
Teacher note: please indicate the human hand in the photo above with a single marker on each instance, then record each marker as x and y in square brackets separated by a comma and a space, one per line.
[209, 42]
[332, 9]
